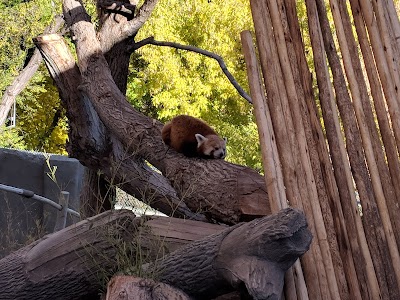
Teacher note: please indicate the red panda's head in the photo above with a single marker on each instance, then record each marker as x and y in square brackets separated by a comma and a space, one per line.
[211, 145]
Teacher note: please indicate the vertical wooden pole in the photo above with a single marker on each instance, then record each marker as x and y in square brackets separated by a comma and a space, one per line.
[366, 139]
[388, 39]
[394, 20]
[375, 233]
[379, 104]
[335, 139]
[328, 195]
[334, 273]
[294, 178]
[384, 72]
[272, 169]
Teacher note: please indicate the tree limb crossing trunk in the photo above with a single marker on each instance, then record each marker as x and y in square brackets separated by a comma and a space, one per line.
[226, 192]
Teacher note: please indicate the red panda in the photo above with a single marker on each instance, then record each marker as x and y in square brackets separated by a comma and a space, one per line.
[193, 137]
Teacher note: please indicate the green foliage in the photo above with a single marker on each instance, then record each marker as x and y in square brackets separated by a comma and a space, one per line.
[11, 138]
[163, 82]
[181, 82]
[40, 116]
[20, 21]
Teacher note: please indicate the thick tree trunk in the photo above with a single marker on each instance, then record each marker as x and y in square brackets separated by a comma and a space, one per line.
[222, 191]
[89, 144]
[96, 195]
[99, 193]
[68, 264]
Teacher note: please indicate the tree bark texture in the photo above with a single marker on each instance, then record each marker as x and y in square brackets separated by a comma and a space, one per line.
[68, 264]
[376, 238]
[133, 288]
[253, 255]
[96, 195]
[294, 178]
[187, 187]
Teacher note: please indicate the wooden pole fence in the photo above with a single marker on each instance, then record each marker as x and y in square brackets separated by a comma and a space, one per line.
[327, 167]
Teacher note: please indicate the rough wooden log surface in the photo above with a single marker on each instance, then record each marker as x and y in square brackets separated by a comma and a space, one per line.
[132, 288]
[64, 265]
[250, 256]
[253, 256]
[67, 264]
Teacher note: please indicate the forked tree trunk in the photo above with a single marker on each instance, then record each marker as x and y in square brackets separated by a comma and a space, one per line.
[193, 188]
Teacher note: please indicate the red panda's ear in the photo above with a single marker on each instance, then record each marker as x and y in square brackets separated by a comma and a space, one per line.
[225, 139]
[200, 139]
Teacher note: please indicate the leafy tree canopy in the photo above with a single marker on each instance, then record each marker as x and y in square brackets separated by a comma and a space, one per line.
[163, 81]
[20, 21]
[182, 82]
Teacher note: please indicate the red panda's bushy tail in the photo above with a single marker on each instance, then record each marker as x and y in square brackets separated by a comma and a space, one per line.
[166, 133]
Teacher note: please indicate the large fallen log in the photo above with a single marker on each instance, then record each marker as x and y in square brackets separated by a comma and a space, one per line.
[252, 256]
[66, 264]
[69, 264]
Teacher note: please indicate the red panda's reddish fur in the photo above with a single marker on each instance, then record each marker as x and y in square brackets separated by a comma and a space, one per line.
[180, 134]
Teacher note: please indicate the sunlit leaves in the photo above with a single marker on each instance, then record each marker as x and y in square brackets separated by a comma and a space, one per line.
[179, 81]
[20, 21]
[40, 116]
[162, 83]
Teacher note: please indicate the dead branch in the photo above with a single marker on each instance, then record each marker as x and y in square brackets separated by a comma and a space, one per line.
[219, 59]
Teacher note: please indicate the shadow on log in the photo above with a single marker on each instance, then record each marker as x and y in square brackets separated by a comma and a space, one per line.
[253, 256]
[67, 264]
[250, 256]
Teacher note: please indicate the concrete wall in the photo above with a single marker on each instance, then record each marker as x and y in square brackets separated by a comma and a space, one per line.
[28, 170]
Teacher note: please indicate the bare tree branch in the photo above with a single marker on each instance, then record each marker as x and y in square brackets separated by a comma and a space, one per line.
[219, 59]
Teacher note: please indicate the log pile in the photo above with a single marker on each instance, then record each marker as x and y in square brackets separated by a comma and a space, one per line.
[69, 264]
